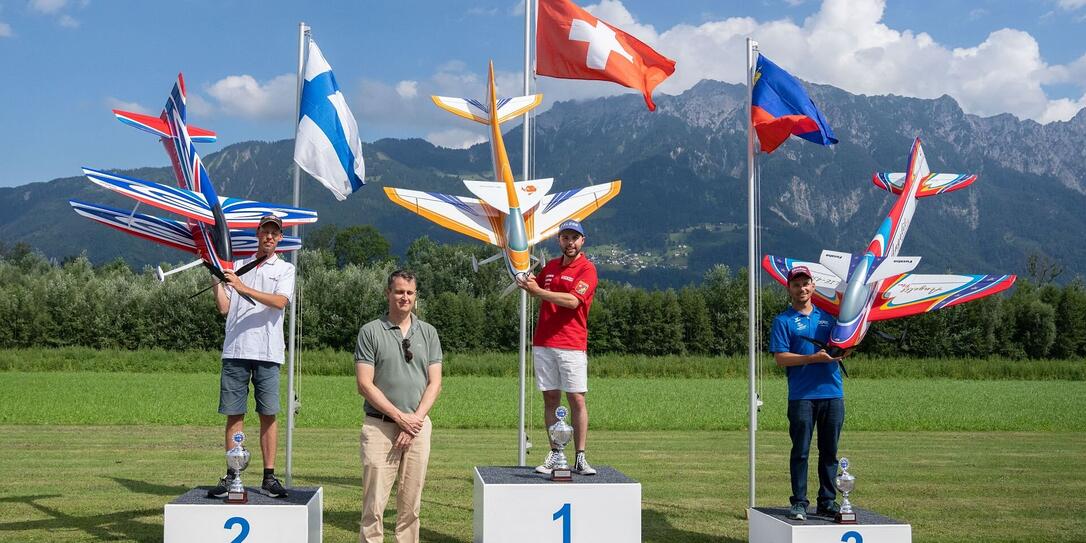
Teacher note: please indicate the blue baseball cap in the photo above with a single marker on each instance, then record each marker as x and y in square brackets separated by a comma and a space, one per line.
[572, 224]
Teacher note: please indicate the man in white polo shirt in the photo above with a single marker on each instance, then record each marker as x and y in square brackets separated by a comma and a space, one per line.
[254, 347]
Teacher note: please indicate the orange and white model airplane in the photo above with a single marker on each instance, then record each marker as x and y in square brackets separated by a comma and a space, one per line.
[513, 215]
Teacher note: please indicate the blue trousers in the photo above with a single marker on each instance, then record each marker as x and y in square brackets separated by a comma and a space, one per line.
[803, 417]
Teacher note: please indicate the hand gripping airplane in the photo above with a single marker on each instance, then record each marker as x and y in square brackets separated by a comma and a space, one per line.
[513, 215]
[878, 285]
[212, 230]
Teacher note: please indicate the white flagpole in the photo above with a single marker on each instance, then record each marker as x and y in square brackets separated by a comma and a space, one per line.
[291, 404]
[752, 263]
[522, 356]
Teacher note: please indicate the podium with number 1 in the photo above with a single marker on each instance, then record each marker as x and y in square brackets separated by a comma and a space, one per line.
[518, 504]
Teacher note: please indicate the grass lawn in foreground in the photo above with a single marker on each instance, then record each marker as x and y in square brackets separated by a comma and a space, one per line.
[88, 483]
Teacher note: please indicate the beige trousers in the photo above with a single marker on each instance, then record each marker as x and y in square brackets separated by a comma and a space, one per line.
[381, 464]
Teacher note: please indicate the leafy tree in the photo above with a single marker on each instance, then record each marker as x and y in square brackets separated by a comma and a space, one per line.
[360, 245]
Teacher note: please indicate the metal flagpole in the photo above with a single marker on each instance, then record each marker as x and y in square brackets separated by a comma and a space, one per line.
[291, 404]
[752, 262]
[522, 356]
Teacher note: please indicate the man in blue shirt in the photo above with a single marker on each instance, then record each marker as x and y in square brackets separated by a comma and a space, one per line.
[815, 395]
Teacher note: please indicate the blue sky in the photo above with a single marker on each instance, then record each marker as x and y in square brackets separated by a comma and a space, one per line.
[68, 62]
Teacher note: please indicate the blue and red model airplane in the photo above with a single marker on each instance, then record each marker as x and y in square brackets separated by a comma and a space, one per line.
[878, 285]
[214, 226]
[513, 215]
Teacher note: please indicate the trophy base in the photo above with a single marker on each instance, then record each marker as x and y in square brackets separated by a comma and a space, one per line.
[561, 474]
[237, 497]
[845, 518]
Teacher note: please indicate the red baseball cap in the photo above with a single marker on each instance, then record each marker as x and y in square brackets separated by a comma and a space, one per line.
[799, 270]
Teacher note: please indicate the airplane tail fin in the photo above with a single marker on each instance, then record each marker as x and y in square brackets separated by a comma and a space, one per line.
[934, 183]
[158, 125]
[930, 183]
[480, 112]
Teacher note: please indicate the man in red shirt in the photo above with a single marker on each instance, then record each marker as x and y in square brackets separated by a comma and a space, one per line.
[565, 288]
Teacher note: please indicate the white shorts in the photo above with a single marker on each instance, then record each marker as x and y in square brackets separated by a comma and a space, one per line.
[560, 369]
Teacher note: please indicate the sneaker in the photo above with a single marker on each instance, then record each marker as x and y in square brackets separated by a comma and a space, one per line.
[582, 466]
[548, 465]
[798, 512]
[222, 489]
[273, 487]
[829, 509]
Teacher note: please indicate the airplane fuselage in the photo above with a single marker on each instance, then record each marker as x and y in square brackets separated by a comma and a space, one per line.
[859, 295]
[518, 259]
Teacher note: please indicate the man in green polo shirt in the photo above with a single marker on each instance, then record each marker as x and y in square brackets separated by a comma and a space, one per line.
[398, 368]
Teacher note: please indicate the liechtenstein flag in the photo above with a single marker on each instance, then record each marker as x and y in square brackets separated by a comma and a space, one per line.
[780, 107]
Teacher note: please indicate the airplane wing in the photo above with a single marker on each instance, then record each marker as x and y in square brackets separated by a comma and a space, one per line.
[239, 213]
[577, 204]
[467, 216]
[247, 213]
[825, 297]
[167, 232]
[244, 243]
[912, 293]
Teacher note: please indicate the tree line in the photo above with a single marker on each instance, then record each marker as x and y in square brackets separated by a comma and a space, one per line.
[74, 303]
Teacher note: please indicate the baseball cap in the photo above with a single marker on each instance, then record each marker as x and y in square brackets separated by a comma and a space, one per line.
[572, 224]
[799, 270]
[271, 219]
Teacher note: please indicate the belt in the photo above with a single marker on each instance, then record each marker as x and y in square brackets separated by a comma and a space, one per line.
[385, 418]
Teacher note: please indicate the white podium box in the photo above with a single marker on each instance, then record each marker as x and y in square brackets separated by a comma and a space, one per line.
[771, 525]
[518, 504]
[295, 519]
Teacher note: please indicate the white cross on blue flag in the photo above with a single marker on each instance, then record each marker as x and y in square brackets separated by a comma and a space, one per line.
[327, 145]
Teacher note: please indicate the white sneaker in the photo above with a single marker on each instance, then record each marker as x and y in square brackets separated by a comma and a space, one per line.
[582, 467]
[549, 463]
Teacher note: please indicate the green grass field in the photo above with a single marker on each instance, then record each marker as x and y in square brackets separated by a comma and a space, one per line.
[91, 483]
[93, 450]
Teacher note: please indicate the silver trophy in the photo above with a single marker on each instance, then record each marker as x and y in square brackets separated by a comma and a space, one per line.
[845, 482]
[237, 459]
[561, 433]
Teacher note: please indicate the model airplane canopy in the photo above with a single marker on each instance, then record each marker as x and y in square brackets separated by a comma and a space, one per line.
[512, 215]
[879, 284]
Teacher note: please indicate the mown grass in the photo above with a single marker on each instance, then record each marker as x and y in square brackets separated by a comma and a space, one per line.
[94, 483]
[614, 403]
[328, 362]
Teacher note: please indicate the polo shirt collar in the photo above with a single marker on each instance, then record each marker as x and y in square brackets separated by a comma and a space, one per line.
[389, 325]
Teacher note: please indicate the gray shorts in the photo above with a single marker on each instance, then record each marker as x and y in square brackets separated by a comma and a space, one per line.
[234, 386]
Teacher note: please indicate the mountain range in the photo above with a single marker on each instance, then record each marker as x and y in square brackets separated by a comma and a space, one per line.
[683, 203]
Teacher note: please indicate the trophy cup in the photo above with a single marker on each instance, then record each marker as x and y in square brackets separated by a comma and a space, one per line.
[845, 483]
[237, 459]
[561, 433]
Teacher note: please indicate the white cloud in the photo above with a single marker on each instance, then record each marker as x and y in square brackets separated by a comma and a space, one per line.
[517, 9]
[134, 107]
[244, 96]
[846, 44]
[5, 30]
[47, 7]
[198, 106]
[407, 89]
[455, 138]
[67, 21]
[1071, 4]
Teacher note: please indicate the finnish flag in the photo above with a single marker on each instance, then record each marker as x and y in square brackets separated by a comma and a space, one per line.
[327, 145]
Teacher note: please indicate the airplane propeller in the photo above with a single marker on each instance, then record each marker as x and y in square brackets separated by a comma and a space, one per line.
[222, 278]
[833, 351]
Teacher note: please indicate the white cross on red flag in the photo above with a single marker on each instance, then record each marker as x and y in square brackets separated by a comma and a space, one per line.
[572, 44]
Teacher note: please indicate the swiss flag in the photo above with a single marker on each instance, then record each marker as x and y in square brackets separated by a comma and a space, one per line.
[572, 44]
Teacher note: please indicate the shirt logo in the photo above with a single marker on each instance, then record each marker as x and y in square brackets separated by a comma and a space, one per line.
[801, 324]
[567, 278]
[582, 288]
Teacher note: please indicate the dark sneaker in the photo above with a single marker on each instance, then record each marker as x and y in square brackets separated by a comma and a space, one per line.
[829, 509]
[273, 487]
[582, 466]
[798, 512]
[548, 464]
[222, 489]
